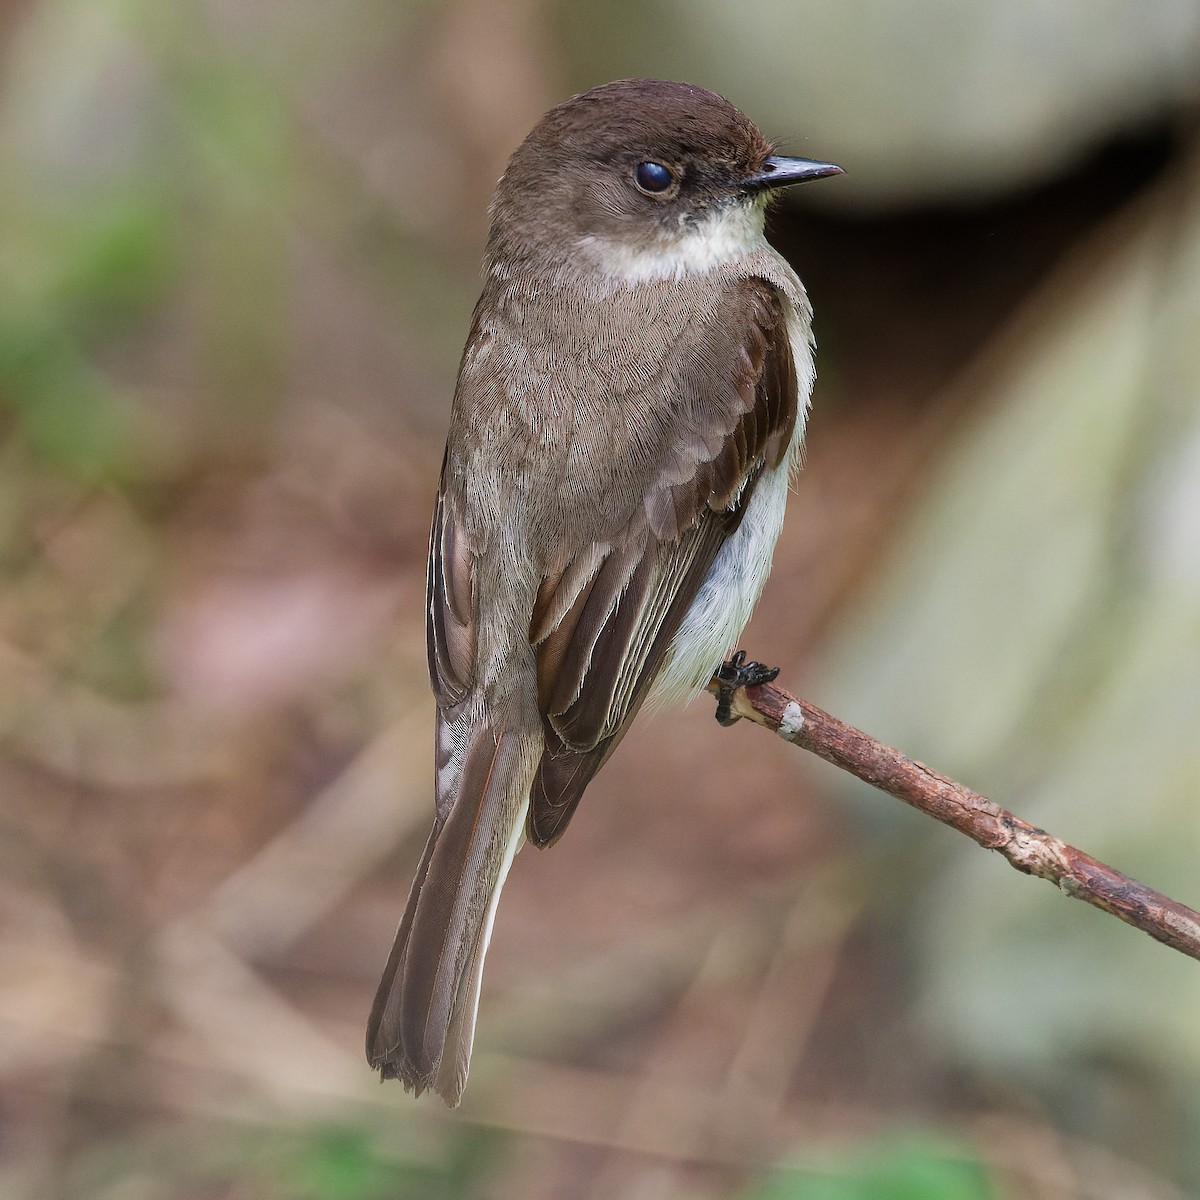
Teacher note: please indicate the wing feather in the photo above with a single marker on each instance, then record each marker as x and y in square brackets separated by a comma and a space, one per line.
[450, 626]
[597, 665]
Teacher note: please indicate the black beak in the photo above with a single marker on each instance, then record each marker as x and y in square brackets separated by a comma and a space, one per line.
[780, 171]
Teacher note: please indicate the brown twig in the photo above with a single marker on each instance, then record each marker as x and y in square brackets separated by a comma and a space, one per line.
[1026, 847]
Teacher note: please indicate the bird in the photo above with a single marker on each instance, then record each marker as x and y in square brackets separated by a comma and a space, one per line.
[630, 405]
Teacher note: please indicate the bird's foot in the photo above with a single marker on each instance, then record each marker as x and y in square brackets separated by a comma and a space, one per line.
[734, 674]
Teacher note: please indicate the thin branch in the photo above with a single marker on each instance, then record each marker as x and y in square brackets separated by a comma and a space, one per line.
[1026, 847]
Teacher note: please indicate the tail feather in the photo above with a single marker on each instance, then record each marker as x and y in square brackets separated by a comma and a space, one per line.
[423, 1021]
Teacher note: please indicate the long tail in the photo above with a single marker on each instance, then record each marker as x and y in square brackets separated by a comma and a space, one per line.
[423, 1020]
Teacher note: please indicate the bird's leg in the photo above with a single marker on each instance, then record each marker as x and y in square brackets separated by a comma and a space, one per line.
[734, 674]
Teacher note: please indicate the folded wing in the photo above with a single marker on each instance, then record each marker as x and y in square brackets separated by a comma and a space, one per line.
[604, 621]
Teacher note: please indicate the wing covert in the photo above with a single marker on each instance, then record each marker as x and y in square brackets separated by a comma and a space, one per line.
[604, 620]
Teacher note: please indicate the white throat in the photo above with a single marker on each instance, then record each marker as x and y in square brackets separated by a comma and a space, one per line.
[727, 235]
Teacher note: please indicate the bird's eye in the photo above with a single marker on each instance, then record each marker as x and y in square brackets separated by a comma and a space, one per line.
[653, 177]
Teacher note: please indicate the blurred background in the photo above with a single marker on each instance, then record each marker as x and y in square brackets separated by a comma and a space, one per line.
[239, 246]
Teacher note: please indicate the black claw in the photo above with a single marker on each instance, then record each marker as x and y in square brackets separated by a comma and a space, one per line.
[734, 674]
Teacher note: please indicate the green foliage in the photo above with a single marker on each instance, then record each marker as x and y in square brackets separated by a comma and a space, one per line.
[64, 409]
[115, 263]
[81, 273]
[342, 1164]
[322, 1162]
[346, 1164]
[905, 1169]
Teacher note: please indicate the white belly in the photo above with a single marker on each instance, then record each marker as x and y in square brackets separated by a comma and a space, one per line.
[716, 618]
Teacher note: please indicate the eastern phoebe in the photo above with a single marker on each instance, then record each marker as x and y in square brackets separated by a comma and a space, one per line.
[630, 404]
